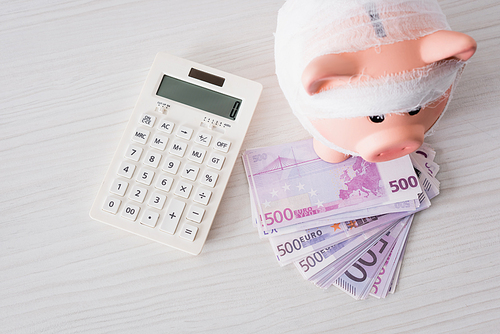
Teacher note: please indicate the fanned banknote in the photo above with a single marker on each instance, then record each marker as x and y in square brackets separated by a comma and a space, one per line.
[360, 277]
[383, 282]
[344, 224]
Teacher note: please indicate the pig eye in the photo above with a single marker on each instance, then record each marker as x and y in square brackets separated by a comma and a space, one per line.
[377, 119]
[414, 111]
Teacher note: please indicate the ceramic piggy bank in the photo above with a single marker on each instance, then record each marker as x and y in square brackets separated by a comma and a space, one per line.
[368, 78]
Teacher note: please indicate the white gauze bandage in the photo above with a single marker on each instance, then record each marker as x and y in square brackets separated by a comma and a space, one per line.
[311, 28]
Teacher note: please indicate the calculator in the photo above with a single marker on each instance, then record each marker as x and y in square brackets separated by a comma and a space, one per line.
[172, 165]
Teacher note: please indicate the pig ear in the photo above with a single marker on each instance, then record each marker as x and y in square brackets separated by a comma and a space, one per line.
[327, 71]
[445, 44]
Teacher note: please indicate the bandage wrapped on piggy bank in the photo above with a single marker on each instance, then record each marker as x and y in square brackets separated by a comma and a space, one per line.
[368, 78]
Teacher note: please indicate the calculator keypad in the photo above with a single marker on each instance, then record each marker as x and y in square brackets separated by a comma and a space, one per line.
[166, 177]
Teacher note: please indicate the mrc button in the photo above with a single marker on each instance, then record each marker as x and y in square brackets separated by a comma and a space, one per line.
[140, 136]
[222, 145]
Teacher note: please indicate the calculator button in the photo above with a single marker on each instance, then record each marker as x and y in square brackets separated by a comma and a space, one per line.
[216, 161]
[166, 126]
[119, 187]
[202, 196]
[130, 212]
[195, 213]
[183, 189]
[159, 142]
[188, 232]
[203, 139]
[147, 120]
[133, 153]
[172, 216]
[152, 159]
[126, 170]
[111, 205]
[197, 155]
[149, 218]
[157, 200]
[145, 176]
[178, 148]
[138, 194]
[171, 165]
[190, 172]
[141, 136]
[222, 145]
[184, 132]
[209, 178]
[164, 183]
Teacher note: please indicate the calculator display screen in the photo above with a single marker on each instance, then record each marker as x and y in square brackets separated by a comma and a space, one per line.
[199, 97]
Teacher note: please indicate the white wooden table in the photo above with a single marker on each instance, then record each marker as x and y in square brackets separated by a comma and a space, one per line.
[71, 72]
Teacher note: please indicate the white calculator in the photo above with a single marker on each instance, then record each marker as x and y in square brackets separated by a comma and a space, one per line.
[172, 164]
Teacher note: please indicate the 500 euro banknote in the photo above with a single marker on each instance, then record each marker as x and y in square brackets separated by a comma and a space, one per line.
[290, 184]
[292, 246]
[360, 277]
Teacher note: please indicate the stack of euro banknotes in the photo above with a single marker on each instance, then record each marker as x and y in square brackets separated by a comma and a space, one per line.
[343, 224]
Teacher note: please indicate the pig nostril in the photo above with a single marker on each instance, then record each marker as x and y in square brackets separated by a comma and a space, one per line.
[394, 151]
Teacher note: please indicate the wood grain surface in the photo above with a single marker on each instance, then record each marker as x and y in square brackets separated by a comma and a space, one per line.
[71, 72]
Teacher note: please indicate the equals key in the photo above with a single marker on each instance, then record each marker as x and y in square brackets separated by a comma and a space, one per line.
[188, 232]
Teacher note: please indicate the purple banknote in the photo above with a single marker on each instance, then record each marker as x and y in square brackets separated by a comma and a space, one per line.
[290, 184]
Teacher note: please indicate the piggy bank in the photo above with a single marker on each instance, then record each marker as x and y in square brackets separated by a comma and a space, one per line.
[368, 78]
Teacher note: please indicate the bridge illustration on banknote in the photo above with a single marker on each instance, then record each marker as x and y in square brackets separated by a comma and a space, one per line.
[282, 163]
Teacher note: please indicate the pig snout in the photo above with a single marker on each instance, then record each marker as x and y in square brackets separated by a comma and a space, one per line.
[391, 143]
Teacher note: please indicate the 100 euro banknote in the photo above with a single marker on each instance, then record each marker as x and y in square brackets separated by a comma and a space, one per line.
[290, 184]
